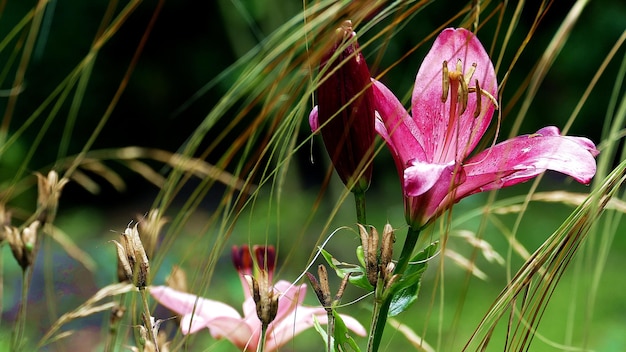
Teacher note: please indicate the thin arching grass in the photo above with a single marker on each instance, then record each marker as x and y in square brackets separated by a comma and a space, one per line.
[525, 298]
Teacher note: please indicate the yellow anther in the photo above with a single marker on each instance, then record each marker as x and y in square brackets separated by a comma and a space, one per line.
[445, 82]
[484, 93]
[463, 95]
[464, 89]
[479, 100]
[470, 73]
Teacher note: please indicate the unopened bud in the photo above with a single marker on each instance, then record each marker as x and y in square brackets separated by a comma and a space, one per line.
[346, 110]
[266, 259]
[242, 260]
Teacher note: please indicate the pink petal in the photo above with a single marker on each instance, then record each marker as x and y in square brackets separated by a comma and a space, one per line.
[397, 128]
[206, 310]
[441, 180]
[184, 303]
[192, 323]
[313, 121]
[236, 331]
[284, 330]
[419, 177]
[301, 319]
[249, 308]
[522, 158]
[432, 116]
[291, 298]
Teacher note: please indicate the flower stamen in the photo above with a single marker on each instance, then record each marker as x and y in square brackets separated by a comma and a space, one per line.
[463, 89]
[485, 93]
[445, 82]
[479, 101]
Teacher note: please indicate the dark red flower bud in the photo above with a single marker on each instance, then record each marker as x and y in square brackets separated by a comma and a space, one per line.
[242, 259]
[346, 110]
[266, 259]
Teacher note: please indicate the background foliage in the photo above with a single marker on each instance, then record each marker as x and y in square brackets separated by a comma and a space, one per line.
[195, 81]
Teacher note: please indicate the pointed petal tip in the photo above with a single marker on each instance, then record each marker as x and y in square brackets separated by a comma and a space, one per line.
[313, 121]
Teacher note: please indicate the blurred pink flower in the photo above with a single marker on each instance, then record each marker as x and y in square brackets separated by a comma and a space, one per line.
[453, 101]
[224, 321]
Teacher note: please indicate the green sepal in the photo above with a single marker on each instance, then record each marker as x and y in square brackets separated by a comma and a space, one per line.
[360, 255]
[357, 273]
[405, 291]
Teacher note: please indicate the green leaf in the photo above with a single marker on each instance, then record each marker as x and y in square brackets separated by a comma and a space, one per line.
[343, 340]
[357, 272]
[405, 291]
[320, 330]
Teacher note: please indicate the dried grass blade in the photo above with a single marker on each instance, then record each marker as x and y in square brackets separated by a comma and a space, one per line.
[88, 308]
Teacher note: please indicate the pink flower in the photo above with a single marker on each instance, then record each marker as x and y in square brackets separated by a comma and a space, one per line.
[453, 101]
[224, 321]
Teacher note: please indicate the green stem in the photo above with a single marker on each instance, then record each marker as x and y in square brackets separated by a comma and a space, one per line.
[382, 298]
[380, 309]
[330, 330]
[412, 236]
[261, 346]
[359, 200]
[146, 317]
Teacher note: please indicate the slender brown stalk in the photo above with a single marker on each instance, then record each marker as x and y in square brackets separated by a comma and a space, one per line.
[20, 326]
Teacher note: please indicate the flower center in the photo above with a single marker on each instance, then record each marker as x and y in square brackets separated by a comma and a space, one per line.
[456, 84]
[461, 89]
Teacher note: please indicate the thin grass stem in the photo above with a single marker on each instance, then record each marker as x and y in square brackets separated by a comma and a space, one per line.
[18, 333]
[114, 327]
[146, 317]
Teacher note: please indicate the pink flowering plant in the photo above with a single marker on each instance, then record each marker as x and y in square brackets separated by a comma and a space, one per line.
[434, 146]
[342, 100]
[453, 102]
[435, 150]
[273, 314]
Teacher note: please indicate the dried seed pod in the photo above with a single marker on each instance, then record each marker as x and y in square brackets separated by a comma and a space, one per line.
[49, 191]
[23, 243]
[132, 257]
[369, 242]
[149, 229]
[386, 251]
